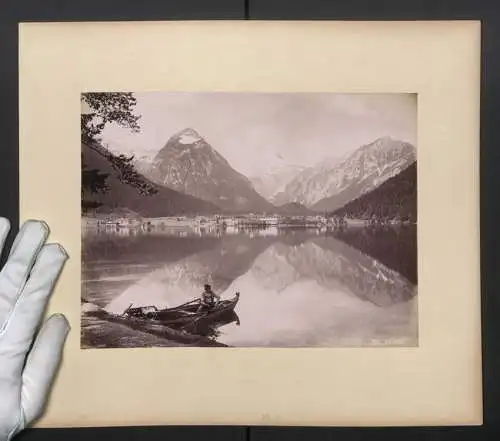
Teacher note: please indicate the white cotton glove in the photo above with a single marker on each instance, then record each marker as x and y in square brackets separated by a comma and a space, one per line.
[26, 370]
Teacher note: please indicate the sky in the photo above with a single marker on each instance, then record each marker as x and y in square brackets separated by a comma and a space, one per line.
[259, 132]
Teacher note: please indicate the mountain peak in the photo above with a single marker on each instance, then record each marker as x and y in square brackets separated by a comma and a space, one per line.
[385, 138]
[383, 141]
[387, 142]
[187, 136]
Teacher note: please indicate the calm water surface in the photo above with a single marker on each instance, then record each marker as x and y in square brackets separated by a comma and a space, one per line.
[356, 287]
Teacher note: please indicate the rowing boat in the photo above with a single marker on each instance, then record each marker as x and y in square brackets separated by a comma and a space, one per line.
[189, 333]
[186, 314]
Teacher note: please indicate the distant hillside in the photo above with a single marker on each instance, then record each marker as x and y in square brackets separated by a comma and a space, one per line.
[396, 197]
[294, 208]
[165, 202]
[275, 180]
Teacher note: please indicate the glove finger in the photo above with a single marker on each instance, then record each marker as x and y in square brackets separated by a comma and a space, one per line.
[30, 308]
[22, 257]
[4, 232]
[42, 364]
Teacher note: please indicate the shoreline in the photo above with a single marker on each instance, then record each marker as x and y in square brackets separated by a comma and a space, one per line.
[221, 222]
[121, 332]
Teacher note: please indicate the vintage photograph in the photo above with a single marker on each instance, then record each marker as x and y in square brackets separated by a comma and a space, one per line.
[221, 219]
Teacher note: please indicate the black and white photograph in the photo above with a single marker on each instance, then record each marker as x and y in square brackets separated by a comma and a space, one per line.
[248, 219]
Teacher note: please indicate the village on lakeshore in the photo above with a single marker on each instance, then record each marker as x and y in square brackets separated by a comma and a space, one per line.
[230, 222]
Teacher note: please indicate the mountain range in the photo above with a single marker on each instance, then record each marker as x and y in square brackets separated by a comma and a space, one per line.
[193, 177]
[327, 187]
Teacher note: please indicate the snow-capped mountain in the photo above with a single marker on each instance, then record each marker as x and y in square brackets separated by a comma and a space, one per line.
[275, 180]
[297, 189]
[326, 188]
[189, 164]
[143, 163]
[145, 154]
[121, 196]
[367, 169]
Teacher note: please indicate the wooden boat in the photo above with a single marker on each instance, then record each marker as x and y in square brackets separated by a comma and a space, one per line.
[192, 333]
[185, 315]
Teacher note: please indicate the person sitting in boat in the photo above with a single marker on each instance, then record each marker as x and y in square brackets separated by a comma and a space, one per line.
[208, 299]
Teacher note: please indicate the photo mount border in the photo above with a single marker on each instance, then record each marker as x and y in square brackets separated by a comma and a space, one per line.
[23, 10]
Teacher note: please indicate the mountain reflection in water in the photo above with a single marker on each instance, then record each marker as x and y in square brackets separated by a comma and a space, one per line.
[299, 288]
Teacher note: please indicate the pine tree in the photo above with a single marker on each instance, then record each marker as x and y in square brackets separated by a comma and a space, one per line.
[104, 108]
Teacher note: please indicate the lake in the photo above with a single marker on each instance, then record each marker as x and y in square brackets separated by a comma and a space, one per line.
[299, 287]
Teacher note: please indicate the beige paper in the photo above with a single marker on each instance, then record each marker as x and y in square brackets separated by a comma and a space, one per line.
[436, 383]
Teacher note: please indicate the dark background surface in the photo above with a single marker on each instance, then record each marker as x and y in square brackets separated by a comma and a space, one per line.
[14, 11]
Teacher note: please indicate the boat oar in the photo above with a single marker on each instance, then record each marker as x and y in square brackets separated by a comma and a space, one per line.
[184, 304]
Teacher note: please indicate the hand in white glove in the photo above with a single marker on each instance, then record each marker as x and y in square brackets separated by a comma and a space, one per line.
[26, 282]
